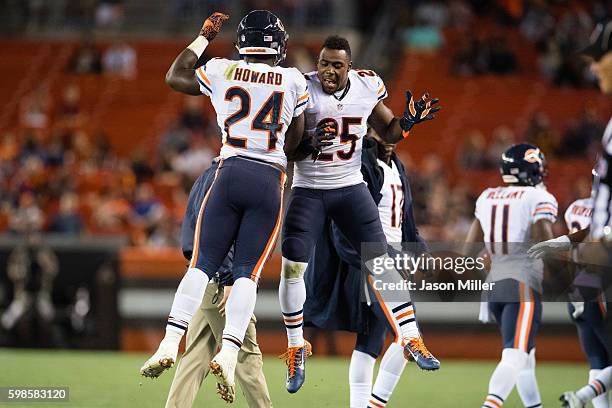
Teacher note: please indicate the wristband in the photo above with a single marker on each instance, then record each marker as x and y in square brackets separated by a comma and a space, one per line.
[198, 45]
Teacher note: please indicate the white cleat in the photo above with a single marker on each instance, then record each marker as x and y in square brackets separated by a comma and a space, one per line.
[223, 366]
[570, 400]
[162, 360]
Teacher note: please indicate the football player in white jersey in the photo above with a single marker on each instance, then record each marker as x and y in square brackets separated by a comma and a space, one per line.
[588, 308]
[329, 183]
[259, 108]
[507, 216]
[599, 53]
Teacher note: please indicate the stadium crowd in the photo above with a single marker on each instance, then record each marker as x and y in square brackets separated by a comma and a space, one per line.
[556, 29]
[57, 177]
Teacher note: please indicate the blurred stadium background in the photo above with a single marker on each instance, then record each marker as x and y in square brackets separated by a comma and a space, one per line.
[97, 155]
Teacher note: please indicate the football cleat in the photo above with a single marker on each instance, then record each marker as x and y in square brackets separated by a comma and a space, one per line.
[569, 399]
[223, 367]
[415, 350]
[162, 360]
[295, 358]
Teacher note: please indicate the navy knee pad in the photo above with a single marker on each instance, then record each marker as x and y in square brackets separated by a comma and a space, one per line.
[295, 249]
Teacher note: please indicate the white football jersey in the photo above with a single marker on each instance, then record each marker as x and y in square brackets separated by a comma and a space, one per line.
[255, 104]
[339, 165]
[506, 215]
[578, 215]
[390, 207]
[602, 198]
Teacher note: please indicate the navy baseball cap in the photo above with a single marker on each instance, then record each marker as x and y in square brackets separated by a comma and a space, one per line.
[600, 42]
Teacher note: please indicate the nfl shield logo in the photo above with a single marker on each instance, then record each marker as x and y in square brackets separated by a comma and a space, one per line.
[340, 106]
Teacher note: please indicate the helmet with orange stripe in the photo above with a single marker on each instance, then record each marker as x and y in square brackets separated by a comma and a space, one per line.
[261, 33]
[523, 164]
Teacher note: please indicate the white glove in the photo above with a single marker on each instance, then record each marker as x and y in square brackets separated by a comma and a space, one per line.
[484, 314]
[578, 309]
[539, 250]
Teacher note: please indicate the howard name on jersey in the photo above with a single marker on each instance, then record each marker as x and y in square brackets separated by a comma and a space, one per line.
[339, 165]
[506, 215]
[255, 104]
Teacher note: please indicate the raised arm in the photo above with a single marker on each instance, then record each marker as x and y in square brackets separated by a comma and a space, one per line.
[181, 75]
[393, 129]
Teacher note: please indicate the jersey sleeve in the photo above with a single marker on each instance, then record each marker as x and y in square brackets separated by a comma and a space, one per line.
[381, 89]
[302, 95]
[205, 73]
[545, 207]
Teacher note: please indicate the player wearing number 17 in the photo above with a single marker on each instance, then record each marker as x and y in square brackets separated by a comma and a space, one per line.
[329, 183]
[259, 108]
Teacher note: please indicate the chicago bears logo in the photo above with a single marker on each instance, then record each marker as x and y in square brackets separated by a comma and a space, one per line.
[532, 156]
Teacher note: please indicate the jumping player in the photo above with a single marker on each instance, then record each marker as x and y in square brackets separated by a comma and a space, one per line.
[330, 184]
[256, 101]
[507, 216]
[206, 328]
[334, 285]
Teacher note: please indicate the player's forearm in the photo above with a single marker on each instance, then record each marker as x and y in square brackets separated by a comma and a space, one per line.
[181, 75]
[580, 235]
[394, 132]
[297, 155]
[295, 139]
[474, 241]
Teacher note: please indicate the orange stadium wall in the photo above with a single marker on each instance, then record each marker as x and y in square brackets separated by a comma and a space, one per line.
[483, 342]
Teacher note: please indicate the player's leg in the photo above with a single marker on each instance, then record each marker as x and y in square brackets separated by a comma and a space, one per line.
[249, 371]
[599, 385]
[304, 223]
[356, 215]
[256, 191]
[393, 361]
[526, 383]
[200, 346]
[214, 233]
[391, 367]
[361, 369]
[516, 320]
[591, 332]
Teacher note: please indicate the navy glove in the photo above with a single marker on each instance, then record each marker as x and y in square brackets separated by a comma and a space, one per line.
[417, 112]
[325, 133]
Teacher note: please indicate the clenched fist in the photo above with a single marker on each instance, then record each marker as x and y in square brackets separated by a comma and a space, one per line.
[212, 25]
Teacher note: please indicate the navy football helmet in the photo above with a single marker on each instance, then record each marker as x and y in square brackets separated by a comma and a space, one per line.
[523, 164]
[262, 33]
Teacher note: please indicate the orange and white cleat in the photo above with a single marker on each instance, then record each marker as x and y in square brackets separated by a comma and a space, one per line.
[295, 358]
[414, 349]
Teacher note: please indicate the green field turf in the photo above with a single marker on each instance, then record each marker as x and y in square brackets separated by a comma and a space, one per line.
[109, 379]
